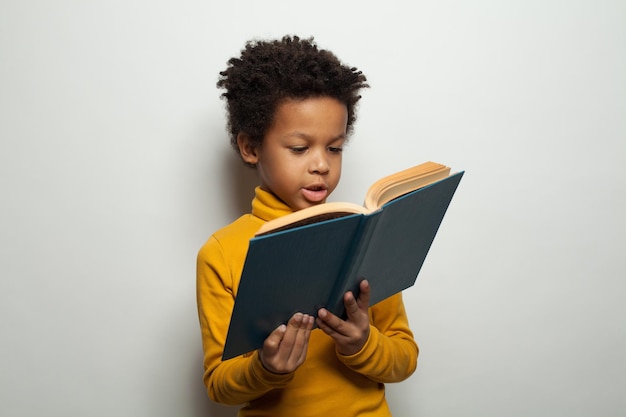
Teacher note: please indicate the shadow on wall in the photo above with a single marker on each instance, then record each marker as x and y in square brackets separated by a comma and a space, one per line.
[238, 182]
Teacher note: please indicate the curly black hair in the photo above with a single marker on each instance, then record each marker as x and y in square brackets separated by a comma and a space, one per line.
[269, 72]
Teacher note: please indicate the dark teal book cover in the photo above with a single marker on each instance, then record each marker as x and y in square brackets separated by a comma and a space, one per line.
[312, 266]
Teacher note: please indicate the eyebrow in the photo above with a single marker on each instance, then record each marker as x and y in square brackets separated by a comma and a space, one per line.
[305, 136]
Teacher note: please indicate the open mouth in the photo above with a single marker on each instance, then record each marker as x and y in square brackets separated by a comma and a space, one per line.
[315, 193]
[316, 188]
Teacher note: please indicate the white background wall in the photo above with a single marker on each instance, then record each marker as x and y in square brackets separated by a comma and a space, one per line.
[115, 168]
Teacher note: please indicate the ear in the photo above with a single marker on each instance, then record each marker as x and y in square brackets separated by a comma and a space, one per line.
[247, 149]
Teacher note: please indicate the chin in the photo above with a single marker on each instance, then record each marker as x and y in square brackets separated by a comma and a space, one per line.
[317, 203]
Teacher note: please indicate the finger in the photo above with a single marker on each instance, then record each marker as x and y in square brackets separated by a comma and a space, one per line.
[273, 341]
[330, 323]
[296, 340]
[321, 316]
[302, 339]
[351, 305]
[285, 349]
[307, 324]
[301, 328]
[291, 333]
[364, 294]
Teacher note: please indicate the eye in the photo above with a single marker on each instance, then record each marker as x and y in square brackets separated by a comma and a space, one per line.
[335, 149]
[298, 149]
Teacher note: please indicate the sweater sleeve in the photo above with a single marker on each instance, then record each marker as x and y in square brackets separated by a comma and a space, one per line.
[390, 353]
[240, 379]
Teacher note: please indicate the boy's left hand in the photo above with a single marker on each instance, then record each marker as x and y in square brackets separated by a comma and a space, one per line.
[349, 335]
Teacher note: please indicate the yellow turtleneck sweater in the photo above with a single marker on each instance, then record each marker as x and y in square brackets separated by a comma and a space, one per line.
[327, 384]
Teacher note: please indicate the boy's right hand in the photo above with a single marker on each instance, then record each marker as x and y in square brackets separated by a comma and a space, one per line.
[285, 348]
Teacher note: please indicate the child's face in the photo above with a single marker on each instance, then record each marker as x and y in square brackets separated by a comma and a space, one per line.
[300, 157]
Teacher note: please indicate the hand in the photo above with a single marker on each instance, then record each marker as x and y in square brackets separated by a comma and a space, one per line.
[349, 335]
[285, 348]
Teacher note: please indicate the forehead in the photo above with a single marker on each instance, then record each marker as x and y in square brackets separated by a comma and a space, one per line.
[317, 114]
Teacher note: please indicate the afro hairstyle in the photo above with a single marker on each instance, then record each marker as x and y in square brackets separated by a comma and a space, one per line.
[269, 72]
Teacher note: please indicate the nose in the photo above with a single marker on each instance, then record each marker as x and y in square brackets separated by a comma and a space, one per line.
[319, 164]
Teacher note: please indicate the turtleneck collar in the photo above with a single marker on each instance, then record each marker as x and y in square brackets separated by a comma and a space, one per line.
[267, 206]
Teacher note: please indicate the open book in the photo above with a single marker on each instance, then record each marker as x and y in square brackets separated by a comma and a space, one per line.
[382, 191]
[310, 258]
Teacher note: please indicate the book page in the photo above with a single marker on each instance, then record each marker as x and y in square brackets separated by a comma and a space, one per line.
[310, 215]
[403, 182]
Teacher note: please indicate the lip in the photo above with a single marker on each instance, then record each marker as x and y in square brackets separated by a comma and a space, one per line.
[315, 193]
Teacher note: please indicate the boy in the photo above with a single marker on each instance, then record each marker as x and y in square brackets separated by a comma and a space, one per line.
[290, 109]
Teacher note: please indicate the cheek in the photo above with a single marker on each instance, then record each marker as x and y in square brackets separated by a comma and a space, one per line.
[338, 165]
[278, 170]
[289, 166]
[336, 175]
